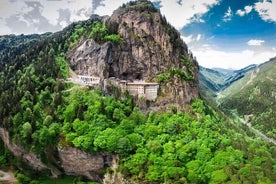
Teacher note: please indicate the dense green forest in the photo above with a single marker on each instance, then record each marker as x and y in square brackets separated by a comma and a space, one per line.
[41, 111]
[254, 97]
[194, 147]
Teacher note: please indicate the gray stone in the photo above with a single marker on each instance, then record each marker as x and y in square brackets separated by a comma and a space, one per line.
[81, 163]
[150, 47]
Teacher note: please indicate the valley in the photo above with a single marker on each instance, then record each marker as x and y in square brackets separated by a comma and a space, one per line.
[121, 99]
[260, 134]
[250, 97]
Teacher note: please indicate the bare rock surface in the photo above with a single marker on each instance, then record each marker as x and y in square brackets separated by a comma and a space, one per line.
[150, 47]
[28, 157]
[81, 163]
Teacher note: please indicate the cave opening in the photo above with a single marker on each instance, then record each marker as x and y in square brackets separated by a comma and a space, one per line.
[138, 76]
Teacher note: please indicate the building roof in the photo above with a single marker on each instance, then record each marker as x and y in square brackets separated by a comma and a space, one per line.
[142, 83]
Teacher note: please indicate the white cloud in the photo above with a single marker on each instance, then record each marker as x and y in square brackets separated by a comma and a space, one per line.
[255, 42]
[187, 39]
[108, 6]
[266, 10]
[240, 13]
[51, 9]
[4, 29]
[198, 37]
[228, 15]
[211, 58]
[181, 15]
[8, 8]
[192, 39]
[177, 14]
[247, 10]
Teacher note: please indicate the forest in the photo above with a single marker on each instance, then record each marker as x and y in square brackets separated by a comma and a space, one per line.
[41, 111]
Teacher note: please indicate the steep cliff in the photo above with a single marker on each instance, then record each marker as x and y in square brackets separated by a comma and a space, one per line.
[150, 50]
[27, 156]
[72, 160]
[80, 163]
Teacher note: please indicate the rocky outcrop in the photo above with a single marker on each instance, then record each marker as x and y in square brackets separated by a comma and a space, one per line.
[150, 47]
[91, 58]
[80, 163]
[114, 176]
[73, 161]
[28, 157]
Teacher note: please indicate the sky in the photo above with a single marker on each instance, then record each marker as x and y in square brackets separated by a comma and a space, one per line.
[220, 33]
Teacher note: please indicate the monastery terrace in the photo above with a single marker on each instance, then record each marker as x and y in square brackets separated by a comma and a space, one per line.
[136, 88]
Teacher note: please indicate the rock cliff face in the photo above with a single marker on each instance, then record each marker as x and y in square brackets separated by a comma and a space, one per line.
[30, 158]
[80, 163]
[73, 161]
[150, 48]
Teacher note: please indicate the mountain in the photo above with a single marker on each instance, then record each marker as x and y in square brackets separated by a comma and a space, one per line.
[115, 100]
[148, 49]
[12, 45]
[253, 97]
[210, 82]
[248, 91]
[224, 71]
[213, 81]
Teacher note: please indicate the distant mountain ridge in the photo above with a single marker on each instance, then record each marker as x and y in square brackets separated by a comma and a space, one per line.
[254, 97]
[249, 92]
[215, 80]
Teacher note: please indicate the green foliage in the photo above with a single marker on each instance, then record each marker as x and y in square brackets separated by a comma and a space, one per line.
[174, 72]
[254, 95]
[218, 176]
[186, 61]
[159, 147]
[113, 38]
[100, 34]
[63, 66]
[22, 179]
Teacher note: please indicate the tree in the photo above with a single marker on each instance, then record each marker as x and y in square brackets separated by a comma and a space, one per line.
[124, 146]
[218, 176]
[194, 171]
[26, 130]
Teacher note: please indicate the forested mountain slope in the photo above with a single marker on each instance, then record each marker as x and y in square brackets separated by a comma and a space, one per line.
[254, 97]
[93, 135]
[12, 46]
[213, 81]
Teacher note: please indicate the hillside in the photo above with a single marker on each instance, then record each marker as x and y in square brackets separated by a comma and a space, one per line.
[66, 109]
[213, 81]
[142, 47]
[254, 97]
[11, 45]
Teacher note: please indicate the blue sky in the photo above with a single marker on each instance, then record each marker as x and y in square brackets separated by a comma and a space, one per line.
[233, 34]
[228, 25]
[220, 33]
